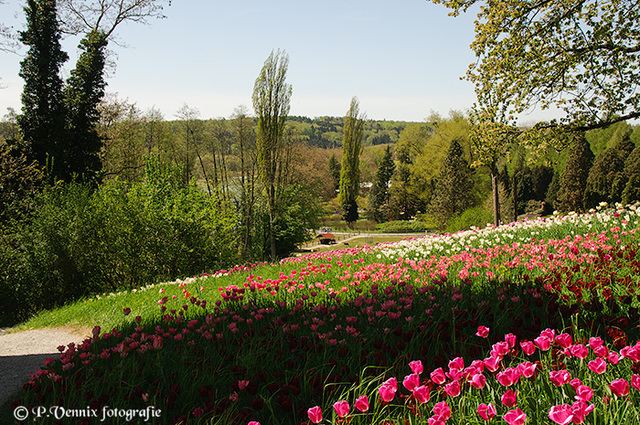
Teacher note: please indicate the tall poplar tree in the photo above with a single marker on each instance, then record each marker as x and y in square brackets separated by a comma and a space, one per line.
[43, 118]
[350, 173]
[271, 102]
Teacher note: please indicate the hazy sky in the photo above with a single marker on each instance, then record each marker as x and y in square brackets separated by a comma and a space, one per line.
[403, 59]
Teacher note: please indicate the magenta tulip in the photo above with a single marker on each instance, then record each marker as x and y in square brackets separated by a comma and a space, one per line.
[598, 366]
[515, 417]
[315, 414]
[620, 387]
[486, 412]
[388, 389]
[416, 367]
[509, 398]
[341, 408]
[561, 414]
[362, 403]
[422, 394]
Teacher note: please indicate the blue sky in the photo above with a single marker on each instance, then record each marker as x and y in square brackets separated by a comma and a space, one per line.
[403, 59]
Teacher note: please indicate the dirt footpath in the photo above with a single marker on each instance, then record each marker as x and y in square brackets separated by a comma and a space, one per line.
[23, 352]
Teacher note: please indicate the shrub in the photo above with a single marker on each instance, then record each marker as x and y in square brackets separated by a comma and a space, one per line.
[402, 226]
[476, 216]
[77, 242]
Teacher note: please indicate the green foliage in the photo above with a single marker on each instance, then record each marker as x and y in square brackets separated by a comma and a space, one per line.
[78, 242]
[454, 188]
[578, 57]
[402, 226]
[573, 182]
[350, 170]
[607, 178]
[631, 190]
[271, 102]
[379, 195]
[82, 95]
[43, 118]
[473, 217]
[18, 179]
[334, 171]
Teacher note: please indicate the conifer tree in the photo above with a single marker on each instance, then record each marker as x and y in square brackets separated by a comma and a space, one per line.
[43, 117]
[83, 93]
[350, 172]
[631, 192]
[606, 179]
[453, 192]
[379, 194]
[573, 182]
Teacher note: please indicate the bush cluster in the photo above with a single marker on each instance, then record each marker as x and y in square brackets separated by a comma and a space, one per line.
[75, 241]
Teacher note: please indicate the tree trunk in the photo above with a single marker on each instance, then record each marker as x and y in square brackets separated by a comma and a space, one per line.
[272, 207]
[496, 201]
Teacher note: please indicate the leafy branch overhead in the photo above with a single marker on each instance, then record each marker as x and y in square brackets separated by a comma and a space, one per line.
[578, 56]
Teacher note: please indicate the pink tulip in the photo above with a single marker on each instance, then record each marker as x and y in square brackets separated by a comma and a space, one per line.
[492, 363]
[631, 353]
[508, 377]
[595, 342]
[580, 351]
[416, 367]
[598, 366]
[635, 382]
[543, 343]
[438, 376]
[478, 381]
[411, 382]
[362, 403]
[500, 349]
[584, 393]
[561, 414]
[442, 410]
[575, 383]
[315, 414]
[515, 417]
[528, 347]
[422, 394]
[437, 420]
[483, 331]
[452, 389]
[254, 423]
[509, 398]
[486, 412]
[613, 357]
[560, 377]
[527, 369]
[457, 363]
[601, 351]
[550, 334]
[341, 408]
[580, 409]
[564, 340]
[620, 387]
[388, 389]
[510, 339]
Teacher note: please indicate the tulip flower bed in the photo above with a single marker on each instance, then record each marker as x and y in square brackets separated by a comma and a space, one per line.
[533, 322]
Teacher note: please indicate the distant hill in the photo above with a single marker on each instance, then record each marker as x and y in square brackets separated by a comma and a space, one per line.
[326, 132]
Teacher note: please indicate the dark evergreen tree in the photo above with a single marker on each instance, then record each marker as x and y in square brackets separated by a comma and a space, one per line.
[379, 194]
[43, 117]
[453, 192]
[607, 178]
[83, 93]
[631, 192]
[573, 182]
[334, 171]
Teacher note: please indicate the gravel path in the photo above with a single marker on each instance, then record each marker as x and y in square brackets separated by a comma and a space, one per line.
[23, 352]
